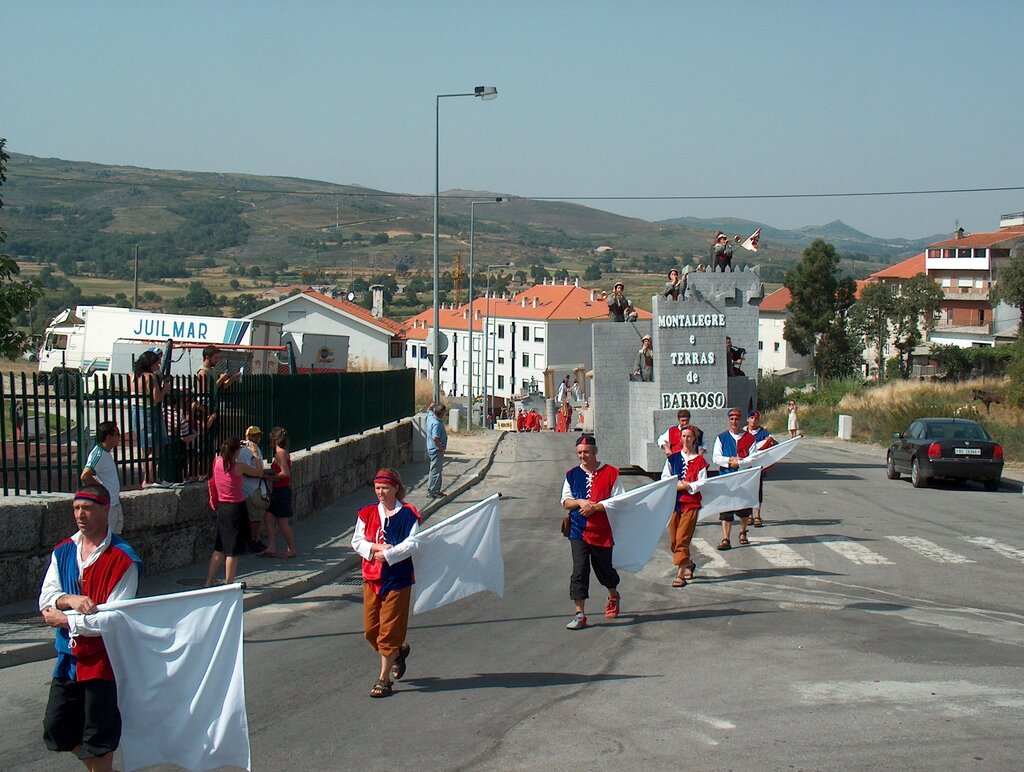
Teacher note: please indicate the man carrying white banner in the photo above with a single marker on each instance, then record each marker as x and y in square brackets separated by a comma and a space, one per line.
[586, 526]
[688, 467]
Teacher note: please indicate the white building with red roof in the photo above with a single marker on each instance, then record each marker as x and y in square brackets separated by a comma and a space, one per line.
[966, 267]
[374, 342]
[547, 325]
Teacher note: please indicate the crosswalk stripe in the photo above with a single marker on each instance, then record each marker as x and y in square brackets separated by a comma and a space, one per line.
[1003, 549]
[714, 559]
[778, 554]
[929, 549]
[853, 551]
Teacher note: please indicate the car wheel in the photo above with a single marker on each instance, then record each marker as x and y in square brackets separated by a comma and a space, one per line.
[890, 468]
[918, 479]
[992, 485]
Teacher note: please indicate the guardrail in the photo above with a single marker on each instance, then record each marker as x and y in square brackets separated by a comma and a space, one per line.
[48, 423]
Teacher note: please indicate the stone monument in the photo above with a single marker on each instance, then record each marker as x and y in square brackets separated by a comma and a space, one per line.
[691, 367]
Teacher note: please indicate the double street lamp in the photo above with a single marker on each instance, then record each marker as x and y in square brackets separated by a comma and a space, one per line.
[484, 93]
[469, 327]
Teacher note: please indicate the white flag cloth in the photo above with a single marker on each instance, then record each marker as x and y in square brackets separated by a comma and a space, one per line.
[752, 241]
[729, 492]
[638, 519]
[770, 455]
[180, 683]
[459, 557]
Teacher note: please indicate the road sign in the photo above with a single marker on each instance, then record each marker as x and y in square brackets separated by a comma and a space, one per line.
[444, 358]
[442, 342]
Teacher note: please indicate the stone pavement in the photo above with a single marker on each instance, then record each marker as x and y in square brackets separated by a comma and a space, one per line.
[322, 540]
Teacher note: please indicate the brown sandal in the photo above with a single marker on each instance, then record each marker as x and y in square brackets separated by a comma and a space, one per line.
[758, 522]
[381, 688]
[688, 572]
[723, 545]
[743, 538]
[679, 581]
[398, 666]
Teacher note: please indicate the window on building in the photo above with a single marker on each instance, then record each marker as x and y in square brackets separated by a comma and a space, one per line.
[501, 331]
[777, 344]
[538, 334]
[538, 361]
[963, 253]
[526, 333]
[397, 349]
[981, 253]
[934, 253]
[526, 360]
[949, 316]
[979, 284]
[981, 315]
[946, 281]
[965, 282]
[760, 345]
[423, 352]
[501, 357]
[501, 381]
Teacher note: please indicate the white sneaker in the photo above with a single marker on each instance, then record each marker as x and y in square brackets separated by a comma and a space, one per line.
[578, 622]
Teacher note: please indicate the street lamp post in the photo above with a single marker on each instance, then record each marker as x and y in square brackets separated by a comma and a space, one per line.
[469, 327]
[486, 346]
[484, 93]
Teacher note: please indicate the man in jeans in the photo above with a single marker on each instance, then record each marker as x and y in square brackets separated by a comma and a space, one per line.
[437, 443]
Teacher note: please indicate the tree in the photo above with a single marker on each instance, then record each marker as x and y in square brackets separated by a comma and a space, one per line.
[592, 272]
[917, 305]
[820, 300]
[870, 319]
[15, 296]
[244, 304]
[1010, 286]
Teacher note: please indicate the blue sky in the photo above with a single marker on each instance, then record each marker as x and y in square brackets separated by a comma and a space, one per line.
[595, 99]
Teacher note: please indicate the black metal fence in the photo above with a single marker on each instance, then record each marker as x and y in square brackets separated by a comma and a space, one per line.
[49, 424]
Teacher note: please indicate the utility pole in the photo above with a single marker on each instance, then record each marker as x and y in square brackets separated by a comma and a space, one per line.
[136, 304]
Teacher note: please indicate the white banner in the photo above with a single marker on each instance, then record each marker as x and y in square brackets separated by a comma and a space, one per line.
[770, 455]
[459, 557]
[180, 681]
[638, 518]
[729, 492]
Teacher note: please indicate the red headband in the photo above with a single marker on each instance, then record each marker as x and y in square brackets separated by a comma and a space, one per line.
[384, 477]
[92, 497]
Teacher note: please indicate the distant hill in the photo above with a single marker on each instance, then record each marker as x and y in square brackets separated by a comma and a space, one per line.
[845, 238]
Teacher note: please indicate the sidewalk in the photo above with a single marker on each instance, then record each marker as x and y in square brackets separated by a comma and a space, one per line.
[322, 540]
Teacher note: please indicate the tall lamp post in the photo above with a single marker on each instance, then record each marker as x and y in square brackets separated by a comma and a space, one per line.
[469, 327]
[484, 93]
[486, 346]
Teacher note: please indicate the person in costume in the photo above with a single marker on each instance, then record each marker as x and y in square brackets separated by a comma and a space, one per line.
[756, 438]
[727, 456]
[690, 468]
[91, 567]
[590, 534]
[672, 440]
[383, 537]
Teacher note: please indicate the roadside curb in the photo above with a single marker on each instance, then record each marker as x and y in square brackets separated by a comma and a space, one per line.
[38, 652]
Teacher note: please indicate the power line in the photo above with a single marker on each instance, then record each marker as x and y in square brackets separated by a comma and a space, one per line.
[702, 197]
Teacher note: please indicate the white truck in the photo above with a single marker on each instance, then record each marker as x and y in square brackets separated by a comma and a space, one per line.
[99, 339]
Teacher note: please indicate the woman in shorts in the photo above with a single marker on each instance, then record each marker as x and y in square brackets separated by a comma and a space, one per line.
[278, 515]
[232, 517]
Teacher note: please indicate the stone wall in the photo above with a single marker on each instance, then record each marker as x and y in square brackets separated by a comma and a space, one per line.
[175, 527]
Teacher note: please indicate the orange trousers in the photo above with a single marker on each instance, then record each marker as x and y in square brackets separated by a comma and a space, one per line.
[680, 530]
[386, 618]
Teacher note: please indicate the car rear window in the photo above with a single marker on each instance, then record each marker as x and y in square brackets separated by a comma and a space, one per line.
[957, 431]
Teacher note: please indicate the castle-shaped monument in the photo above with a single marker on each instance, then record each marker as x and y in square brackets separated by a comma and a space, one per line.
[692, 367]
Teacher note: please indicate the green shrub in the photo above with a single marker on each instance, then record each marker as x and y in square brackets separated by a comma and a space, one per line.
[831, 392]
[771, 392]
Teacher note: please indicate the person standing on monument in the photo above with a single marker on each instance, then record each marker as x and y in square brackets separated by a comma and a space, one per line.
[590, 533]
[619, 306]
[644, 365]
[727, 456]
[722, 254]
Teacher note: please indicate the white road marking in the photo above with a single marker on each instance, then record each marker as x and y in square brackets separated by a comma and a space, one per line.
[778, 554]
[930, 549]
[1003, 549]
[717, 723]
[714, 558]
[853, 551]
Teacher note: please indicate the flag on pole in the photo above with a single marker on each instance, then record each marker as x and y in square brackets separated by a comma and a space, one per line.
[769, 456]
[458, 557]
[751, 242]
[729, 492]
[638, 518]
[180, 681]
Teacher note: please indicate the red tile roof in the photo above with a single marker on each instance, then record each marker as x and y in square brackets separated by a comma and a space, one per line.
[778, 301]
[907, 269]
[388, 325]
[553, 302]
[984, 239]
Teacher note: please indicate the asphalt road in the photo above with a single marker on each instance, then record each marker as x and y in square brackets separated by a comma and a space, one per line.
[869, 625]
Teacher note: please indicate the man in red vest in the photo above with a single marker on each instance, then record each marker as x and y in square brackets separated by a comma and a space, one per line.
[91, 567]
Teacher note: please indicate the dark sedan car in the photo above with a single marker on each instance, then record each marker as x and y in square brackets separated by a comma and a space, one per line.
[945, 447]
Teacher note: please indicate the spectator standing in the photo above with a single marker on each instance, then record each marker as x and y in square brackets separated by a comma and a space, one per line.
[101, 469]
[148, 420]
[563, 392]
[278, 516]
[437, 444]
[793, 422]
[644, 364]
[251, 455]
[590, 533]
[210, 384]
[182, 433]
[91, 567]
[575, 390]
[383, 538]
[233, 537]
